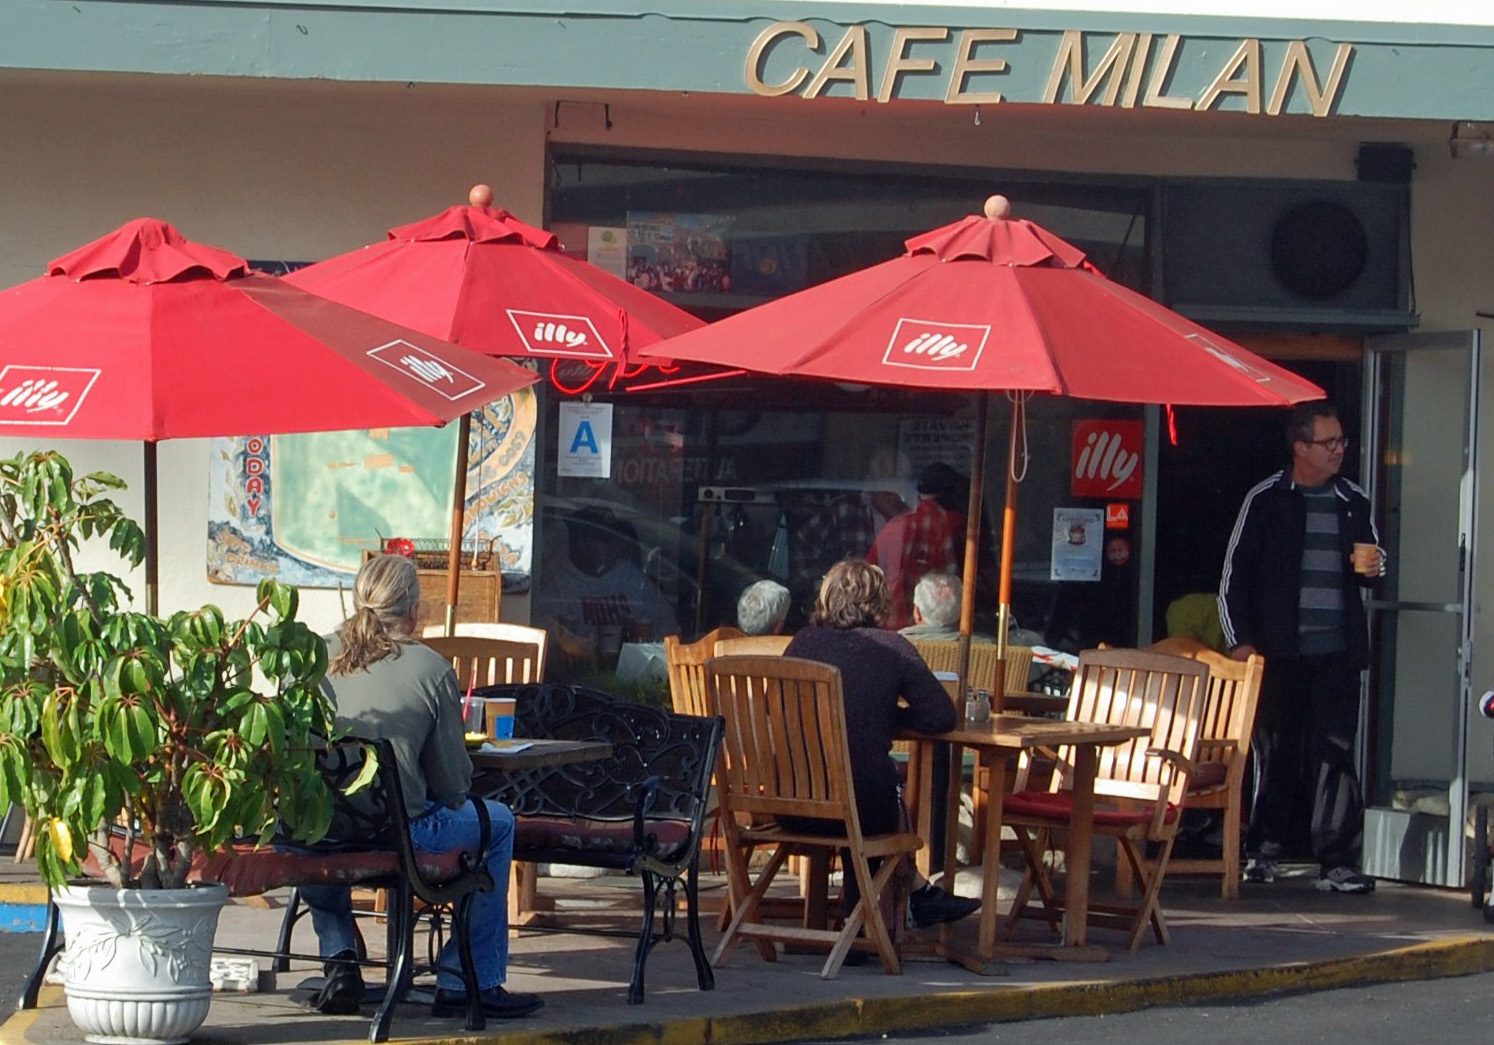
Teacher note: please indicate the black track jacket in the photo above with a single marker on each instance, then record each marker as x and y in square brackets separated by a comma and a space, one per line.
[1262, 579]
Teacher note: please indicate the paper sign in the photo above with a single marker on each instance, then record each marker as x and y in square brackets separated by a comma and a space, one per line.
[607, 249]
[1077, 537]
[585, 440]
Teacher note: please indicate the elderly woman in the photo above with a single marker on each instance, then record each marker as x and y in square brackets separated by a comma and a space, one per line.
[877, 667]
[388, 686]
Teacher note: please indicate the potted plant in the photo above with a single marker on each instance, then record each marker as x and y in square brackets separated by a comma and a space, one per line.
[140, 745]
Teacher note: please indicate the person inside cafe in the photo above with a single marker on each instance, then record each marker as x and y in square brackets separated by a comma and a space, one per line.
[1302, 550]
[936, 610]
[886, 686]
[928, 538]
[387, 685]
[762, 607]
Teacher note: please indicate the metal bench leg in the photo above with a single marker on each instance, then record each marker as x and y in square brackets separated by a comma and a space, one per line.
[293, 913]
[645, 936]
[50, 947]
[461, 925]
[402, 940]
[703, 974]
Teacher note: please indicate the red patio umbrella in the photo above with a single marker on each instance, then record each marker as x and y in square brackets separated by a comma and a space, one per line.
[145, 335]
[993, 304]
[482, 278]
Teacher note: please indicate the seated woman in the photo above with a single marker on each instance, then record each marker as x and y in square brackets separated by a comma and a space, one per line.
[876, 668]
[388, 686]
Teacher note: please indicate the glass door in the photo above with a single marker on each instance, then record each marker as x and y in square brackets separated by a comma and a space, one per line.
[1420, 438]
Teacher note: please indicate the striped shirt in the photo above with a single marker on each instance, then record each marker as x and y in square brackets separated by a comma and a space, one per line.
[1320, 620]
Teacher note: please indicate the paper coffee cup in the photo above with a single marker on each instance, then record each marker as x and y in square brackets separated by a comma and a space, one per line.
[501, 716]
[1366, 559]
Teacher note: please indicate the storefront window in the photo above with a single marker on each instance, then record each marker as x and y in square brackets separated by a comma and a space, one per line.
[714, 486]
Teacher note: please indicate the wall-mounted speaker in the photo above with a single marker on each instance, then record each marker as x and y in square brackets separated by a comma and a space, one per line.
[1251, 249]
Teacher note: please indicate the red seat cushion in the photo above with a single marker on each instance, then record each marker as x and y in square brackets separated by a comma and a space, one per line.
[249, 871]
[1057, 805]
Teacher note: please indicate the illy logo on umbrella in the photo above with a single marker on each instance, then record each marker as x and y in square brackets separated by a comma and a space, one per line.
[1230, 360]
[925, 345]
[445, 379]
[43, 395]
[552, 334]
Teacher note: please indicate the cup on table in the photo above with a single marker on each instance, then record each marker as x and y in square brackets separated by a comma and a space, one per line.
[501, 716]
[474, 715]
[1366, 559]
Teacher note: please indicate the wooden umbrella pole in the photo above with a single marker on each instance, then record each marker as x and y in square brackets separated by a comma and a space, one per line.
[458, 511]
[152, 535]
[972, 532]
[1008, 540]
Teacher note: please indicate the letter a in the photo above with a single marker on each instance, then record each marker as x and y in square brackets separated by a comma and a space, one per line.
[585, 437]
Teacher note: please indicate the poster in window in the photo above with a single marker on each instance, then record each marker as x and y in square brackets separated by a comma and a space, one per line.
[1078, 535]
[679, 253]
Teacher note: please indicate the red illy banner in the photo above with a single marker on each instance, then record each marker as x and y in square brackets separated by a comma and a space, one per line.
[1105, 460]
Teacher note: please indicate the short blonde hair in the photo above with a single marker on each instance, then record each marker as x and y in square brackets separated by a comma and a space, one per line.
[852, 595]
[385, 596]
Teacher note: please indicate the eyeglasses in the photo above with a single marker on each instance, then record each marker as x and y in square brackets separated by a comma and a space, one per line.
[1335, 442]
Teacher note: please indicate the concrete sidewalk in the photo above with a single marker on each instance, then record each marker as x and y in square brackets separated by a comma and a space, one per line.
[1278, 938]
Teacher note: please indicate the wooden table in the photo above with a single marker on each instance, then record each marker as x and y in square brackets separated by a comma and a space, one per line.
[540, 754]
[993, 741]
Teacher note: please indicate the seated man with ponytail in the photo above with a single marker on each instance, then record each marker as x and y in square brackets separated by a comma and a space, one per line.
[388, 686]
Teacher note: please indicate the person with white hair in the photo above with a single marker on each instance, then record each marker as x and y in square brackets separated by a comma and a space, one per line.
[762, 608]
[936, 609]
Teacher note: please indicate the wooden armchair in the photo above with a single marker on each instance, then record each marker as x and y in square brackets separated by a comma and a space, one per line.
[1223, 743]
[785, 755]
[686, 664]
[1139, 787]
[753, 646]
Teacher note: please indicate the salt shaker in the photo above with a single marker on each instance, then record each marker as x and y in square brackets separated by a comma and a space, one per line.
[978, 706]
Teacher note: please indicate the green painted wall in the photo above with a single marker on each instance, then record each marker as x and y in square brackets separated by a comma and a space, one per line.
[1419, 72]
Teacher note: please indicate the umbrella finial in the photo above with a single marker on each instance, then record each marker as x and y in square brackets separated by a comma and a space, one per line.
[998, 207]
[480, 195]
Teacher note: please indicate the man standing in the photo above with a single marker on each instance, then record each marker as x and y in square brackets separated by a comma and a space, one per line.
[1302, 547]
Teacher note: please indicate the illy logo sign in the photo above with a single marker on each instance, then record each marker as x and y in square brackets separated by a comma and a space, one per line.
[1106, 459]
[551, 334]
[926, 345]
[445, 379]
[1231, 360]
[43, 395]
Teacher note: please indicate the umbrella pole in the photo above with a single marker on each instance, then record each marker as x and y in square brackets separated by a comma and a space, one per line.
[458, 510]
[1008, 539]
[972, 533]
[152, 534]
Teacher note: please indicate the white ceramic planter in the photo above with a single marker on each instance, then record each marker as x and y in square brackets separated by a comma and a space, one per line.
[138, 960]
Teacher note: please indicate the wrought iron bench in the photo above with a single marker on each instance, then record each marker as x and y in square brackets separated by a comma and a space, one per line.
[368, 845]
[641, 811]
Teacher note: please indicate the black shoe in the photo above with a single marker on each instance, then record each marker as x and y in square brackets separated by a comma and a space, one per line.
[932, 906]
[496, 1002]
[341, 992]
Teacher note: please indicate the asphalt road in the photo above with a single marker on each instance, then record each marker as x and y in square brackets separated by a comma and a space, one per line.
[18, 953]
[1448, 1010]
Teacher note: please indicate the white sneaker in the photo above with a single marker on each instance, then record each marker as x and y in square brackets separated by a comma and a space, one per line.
[1261, 869]
[1345, 880]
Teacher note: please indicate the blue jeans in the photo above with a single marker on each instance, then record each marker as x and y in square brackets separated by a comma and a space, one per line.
[438, 830]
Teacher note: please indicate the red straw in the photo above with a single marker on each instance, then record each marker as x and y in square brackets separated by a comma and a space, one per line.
[467, 700]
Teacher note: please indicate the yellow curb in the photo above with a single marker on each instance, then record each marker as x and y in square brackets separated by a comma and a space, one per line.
[858, 1017]
[1455, 956]
[24, 894]
[15, 1029]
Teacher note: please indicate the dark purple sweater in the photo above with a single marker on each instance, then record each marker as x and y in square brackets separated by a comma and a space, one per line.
[876, 668]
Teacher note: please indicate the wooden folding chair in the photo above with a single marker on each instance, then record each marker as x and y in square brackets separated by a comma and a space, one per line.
[1218, 781]
[499, 630]
[785, 755]
[1139, 786]
[753, 646]
[685, 662]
